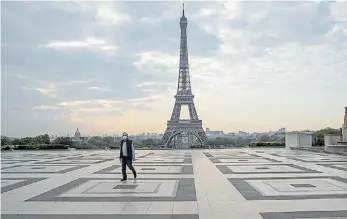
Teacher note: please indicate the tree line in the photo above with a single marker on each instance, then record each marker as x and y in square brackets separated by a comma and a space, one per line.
[96, 142]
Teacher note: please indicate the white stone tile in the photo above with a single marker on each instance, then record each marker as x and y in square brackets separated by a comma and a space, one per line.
[245, 160]
[113, 207]
[42, 208]
[161, 208]
[283, 187]
[136, 208]
[149, 169]
[7, 182]
[159, 160]
[228, 215]
[185, 208]
[264, 175]
[269, 168]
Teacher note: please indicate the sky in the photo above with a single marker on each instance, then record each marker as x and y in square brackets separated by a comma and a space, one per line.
[109, 67]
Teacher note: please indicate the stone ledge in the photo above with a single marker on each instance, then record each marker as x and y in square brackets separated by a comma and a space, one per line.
[318, 150]
[336, 148]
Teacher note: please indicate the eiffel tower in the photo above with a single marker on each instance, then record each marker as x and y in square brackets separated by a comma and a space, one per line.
[177, 127]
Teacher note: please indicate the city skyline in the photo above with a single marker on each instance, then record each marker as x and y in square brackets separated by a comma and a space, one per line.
[108, 67]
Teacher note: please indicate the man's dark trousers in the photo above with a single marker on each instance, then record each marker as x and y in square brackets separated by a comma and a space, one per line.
[127, 161]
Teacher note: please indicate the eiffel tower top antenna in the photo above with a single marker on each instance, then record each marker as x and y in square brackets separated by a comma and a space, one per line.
[183, 10]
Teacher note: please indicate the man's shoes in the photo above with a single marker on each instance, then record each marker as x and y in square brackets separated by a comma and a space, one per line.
[123, 180]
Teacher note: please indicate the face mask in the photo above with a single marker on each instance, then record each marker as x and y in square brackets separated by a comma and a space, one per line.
[125, 137]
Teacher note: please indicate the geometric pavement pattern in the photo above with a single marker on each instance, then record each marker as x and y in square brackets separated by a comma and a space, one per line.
[174, 184]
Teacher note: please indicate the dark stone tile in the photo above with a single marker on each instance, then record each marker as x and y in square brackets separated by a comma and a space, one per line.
[185, 192]
[75, 160]
[69, 169]
[147, 168]
[304, 214]
[100, 216]
[334, 167]
[27, 181]
[125, 187]
[303, 185]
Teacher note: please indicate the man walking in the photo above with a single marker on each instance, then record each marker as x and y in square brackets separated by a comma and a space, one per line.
[127, 156]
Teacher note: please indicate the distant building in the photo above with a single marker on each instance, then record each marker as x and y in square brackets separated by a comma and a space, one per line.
[242, 134]
[78, 137]
[214, 133]
[77, 134]
[144, 136]
[281, 130]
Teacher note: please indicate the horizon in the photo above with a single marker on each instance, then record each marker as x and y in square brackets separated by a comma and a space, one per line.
[130, 134]
[98, 66]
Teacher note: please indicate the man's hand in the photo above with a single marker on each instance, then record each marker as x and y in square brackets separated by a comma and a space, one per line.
[133, 158]
[120, 159]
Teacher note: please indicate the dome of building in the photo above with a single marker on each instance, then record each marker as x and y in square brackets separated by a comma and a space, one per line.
[77, 133]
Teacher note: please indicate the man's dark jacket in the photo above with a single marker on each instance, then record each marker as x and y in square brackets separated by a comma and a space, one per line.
[129, 148]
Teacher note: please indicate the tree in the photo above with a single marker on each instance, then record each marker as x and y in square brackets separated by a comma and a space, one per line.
[282, 139]
[42, 139]
[228, 141]
[63, 140]
[264, 138]
[242, 141]
[148, 141]
[5, 140]
[328, 130]
[109, 141]
[17, 141]
[97, 141]
[26, 141]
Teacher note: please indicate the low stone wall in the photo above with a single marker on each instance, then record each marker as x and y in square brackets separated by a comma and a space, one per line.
[335, 148]
[330, 139]
[319, 150]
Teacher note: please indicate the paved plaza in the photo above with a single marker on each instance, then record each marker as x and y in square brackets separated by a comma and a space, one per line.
[174, 184]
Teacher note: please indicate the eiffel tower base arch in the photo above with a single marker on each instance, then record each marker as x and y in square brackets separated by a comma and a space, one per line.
[184, 128]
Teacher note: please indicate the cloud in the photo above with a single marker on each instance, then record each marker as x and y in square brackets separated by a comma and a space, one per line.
[91, 44]
[48, 90]
[105, 66]
[43, 107]
[105, 89]
[76, 82]
[106, 15]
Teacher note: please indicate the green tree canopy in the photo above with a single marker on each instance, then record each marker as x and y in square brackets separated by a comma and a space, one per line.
[63, 140]
[328, 130]
[148, 141]
[264, 138]
[42, 139]
[97, 141]
[5, 140]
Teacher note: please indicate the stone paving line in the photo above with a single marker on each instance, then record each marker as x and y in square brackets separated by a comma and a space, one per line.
[211, 194]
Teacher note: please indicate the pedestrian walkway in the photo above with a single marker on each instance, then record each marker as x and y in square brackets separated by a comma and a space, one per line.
[174, 184]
